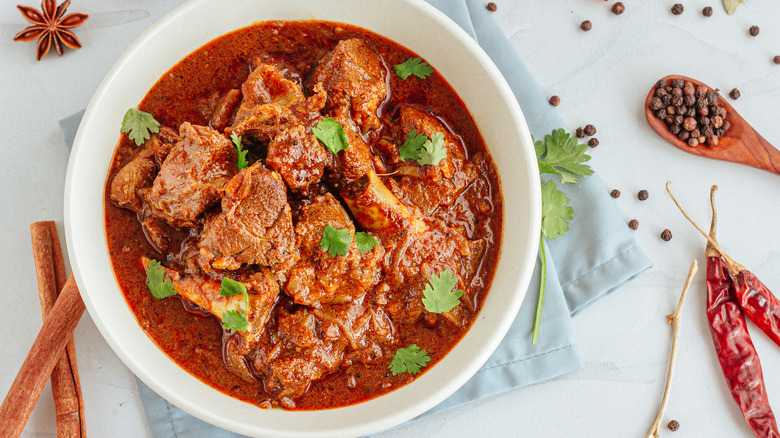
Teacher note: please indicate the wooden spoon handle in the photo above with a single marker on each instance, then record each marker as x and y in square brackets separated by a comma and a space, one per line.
[756, 151]
[37, 366]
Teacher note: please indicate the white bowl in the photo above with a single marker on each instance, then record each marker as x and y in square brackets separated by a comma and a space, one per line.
[417, 26]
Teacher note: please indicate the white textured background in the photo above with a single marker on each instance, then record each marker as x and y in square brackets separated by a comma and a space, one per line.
[602, 77]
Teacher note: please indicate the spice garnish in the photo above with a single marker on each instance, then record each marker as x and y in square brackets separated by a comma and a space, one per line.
[242, 163]
[440, 294]
[674, 320]
[735, 350]
[413, 66]
[560, 154]
[138, 125]
[158, 285]
[331, 133]
[335, 241]
[433, 150]
[409, 360]
[50, 26]
[414, 142]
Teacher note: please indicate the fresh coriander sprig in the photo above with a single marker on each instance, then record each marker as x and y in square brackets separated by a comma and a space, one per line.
[409, 360]
[559, 154]
[440, 294]
[242, 163]
[335, 241]
[410, 150]
[433, 150]
[158, 285]
[234, 320]
[138, 125]
[331, 133]
[365, 242]
[413, 66]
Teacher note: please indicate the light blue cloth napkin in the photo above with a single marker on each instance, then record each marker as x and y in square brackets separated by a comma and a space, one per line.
[596, 256]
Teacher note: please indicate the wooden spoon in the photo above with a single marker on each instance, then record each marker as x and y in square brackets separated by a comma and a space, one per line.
[740, 144]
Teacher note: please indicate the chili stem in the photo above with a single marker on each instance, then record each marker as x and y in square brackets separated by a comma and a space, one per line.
[542, 285]
[674, 319]
[734, 267]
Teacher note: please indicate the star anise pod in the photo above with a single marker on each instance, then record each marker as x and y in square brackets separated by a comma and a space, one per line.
[50, 26]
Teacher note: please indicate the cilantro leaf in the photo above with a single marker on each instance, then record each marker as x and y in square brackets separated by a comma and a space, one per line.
[556, 212]
[410, 150]
[234, 320]
[331, 133]
[158, 285]
[365, 242]
[562, 154]
[335, 241]
[233, 287]
[413, 66]
[242, 163]
[409, 360]
[433, 150]
[138, 124]
[439, 295]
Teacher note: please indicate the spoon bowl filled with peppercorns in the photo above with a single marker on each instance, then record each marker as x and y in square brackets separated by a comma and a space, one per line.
[695, 118]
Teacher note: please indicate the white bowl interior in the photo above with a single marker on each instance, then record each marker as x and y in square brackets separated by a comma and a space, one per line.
[415, 25]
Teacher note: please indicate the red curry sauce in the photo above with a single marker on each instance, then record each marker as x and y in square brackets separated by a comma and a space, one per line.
[194, 339]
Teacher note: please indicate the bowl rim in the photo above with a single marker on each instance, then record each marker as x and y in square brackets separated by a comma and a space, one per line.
[76, 227]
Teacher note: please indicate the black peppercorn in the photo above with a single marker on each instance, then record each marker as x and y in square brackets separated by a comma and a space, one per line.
[712, 98]
[618, 8]
[491, 7]
[586, 25]
[689, 100]
[555, 100]
[593, 142]
[677, 9]
[734, 94]
[656, 104]
[707, 12]
[666, 99]
[661, 114]
[666, 235]
[776, 59]
[615, 193]
[661, 83]
[691, 112]
[642, 195]
[633, 224]
[660, 92]
[700, 103]
[693, 142]
[682, 109]
[689, 124]
[707, 131]
[678, 120]
[579, 133]
[590, 129]
[719, 132]
[678, 83]
[712, 141]
[677, 91]
[716, 121]
[753, 31]
[675, 129]
[701, 91]
[726, 126]
[684, 135]
[673, 425]
[677, 100]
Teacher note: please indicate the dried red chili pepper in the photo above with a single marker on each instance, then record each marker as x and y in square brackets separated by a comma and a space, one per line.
[735, 350]
[759, 304]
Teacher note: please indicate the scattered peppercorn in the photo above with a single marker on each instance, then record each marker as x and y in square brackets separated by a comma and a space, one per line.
[589, 130]
[618, 8]
[734, 94]
[673, 425]
[776, 59]
[707, 12]
[593, 142]
[555, 101]
[666, 236]
[633, 224]
[615, 193]
[677, 9]
[586, 25]
[491, 7]
[579, 133]
[642, 195]
[753, 30]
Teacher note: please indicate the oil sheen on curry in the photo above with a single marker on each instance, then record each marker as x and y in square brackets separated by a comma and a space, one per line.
[344, 254]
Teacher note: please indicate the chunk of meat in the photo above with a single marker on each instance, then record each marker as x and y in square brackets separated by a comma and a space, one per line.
[193, 176]
[432, 187]
[320, 278]
[266, 85]
[361, 324]
[297, 156]
[220, 118]
[255, 224]
[377, 208]
[262, 290]
[304, 350]
[353, 75]
[138, 174]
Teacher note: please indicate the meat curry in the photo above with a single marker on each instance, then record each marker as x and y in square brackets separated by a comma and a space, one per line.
[339, 256]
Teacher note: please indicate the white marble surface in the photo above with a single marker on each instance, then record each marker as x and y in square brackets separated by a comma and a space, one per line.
[602, 77]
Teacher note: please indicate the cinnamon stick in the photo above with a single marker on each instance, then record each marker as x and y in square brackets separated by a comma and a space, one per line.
[65, 384]
[37, 366]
